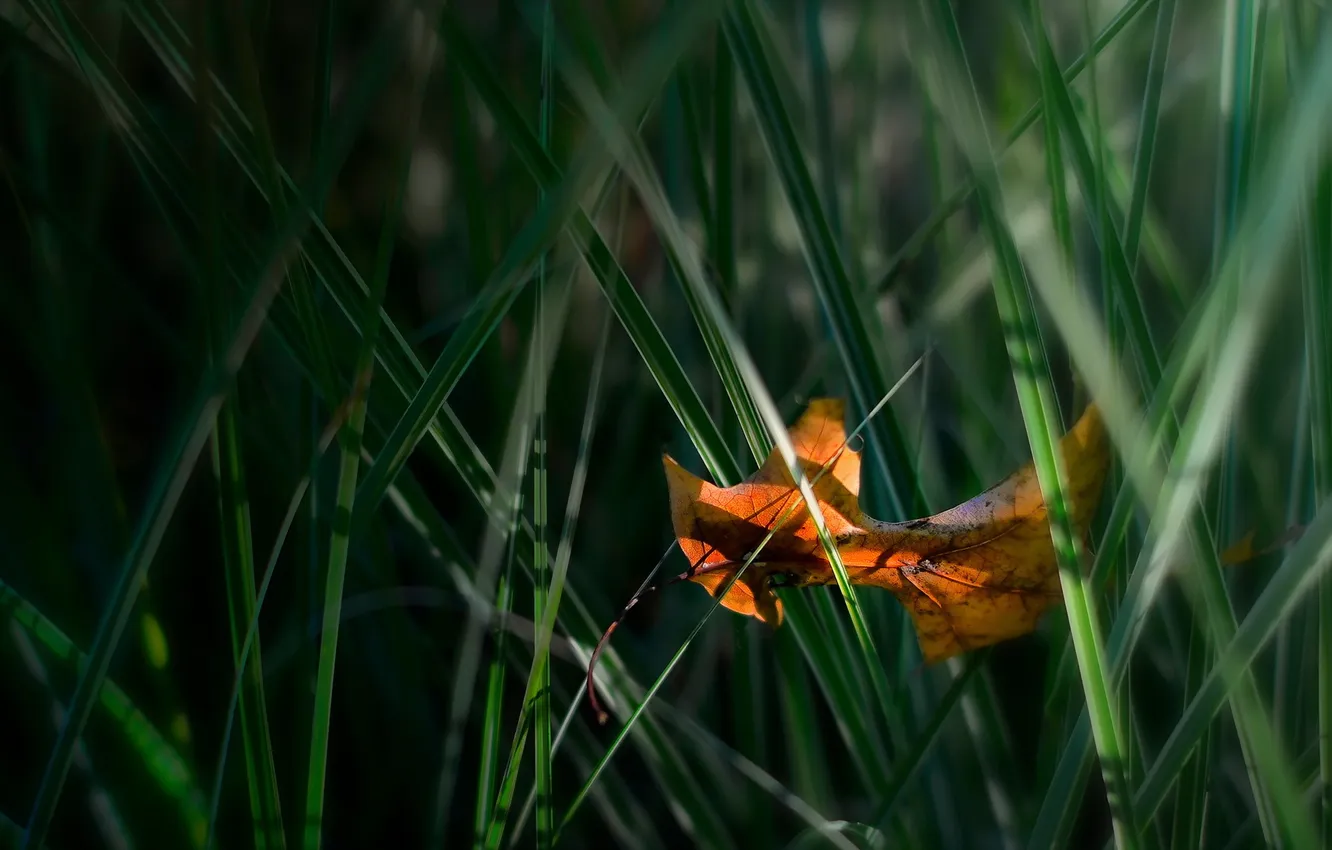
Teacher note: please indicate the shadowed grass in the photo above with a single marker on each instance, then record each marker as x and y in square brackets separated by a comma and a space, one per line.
[813, 196]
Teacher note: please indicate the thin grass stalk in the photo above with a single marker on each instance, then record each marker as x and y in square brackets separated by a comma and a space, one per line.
[517, 454]
[493, 713]
[228, 465]
[351, 440]
[545, 816]
[573, 507]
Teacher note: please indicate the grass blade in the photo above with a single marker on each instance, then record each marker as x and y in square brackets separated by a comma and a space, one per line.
[499, 293]
[862, 364]
[542, 597]
[177, 468]
[351, 439]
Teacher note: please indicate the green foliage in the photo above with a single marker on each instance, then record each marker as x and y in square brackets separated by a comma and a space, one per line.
[346, 338]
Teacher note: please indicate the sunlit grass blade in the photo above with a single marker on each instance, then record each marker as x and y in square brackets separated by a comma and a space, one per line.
[1042, 419]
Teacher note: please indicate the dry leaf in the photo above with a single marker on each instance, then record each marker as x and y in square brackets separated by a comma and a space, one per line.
[977, 574]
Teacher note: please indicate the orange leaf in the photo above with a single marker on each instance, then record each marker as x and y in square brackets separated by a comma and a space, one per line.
[971, 576]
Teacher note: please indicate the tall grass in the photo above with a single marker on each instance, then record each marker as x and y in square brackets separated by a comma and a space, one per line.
[429, 288]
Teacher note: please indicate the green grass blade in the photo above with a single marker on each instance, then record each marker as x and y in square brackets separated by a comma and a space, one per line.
[229, 471]
[863, 369]
[1144, 150]
[238, 552]
[164, 763]
[541, 584]
[540, 356]
[1317, 327]
[500, 535]
[668, 43]
[909, 764]
[1029, 364]
[926, 232]
[572, 508]
[1042, 419]
[1298, 577]
[351, 438]
[176, 470]
[493, 717]
[249, 642]
[624, 299]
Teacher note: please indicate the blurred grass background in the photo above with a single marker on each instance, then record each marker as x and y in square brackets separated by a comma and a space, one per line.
[354, 332]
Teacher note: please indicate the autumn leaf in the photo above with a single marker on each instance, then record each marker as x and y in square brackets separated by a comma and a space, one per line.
[977, 574]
